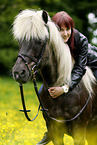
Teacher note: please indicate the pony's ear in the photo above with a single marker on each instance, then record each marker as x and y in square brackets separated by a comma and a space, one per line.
[45, 16]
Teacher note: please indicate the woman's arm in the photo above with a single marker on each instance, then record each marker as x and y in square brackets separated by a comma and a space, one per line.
[79, 68]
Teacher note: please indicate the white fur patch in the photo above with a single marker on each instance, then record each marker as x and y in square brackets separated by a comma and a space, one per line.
[29, 24]
[88, 79]
[62, 53]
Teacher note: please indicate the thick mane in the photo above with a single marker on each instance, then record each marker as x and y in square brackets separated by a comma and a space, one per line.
[29, 24]
[62, 53]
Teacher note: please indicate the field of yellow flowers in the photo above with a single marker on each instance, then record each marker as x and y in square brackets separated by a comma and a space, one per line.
[14, 128]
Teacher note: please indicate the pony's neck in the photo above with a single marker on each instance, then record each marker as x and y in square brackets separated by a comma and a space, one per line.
[57, 69]
[62, 54]
[49, 67]
[56, 65]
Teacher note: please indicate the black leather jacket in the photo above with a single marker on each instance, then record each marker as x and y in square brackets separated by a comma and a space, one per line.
[86, 56]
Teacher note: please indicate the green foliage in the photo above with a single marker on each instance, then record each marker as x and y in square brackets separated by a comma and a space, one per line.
[8, 57]
[8, 47]
[9, 9]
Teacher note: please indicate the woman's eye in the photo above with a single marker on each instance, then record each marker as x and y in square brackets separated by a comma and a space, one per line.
[65, 29]
[68, 29]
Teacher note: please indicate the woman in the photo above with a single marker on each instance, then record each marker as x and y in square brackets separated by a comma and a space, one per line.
[82, 52]
[79, 46]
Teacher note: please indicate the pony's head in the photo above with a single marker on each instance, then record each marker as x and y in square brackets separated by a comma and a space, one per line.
[33, 30]
[30, 29]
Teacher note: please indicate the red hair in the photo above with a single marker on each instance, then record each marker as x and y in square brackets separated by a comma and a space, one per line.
[62, 19]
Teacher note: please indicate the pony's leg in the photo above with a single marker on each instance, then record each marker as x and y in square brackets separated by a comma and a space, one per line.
[92, 135]
[56, 131]
[57, 139]
[79, 135]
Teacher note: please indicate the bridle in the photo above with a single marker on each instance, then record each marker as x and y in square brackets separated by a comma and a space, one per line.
[32, 73]
[37, 62]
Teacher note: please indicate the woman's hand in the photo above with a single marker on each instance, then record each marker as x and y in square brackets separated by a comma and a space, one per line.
[56, 91]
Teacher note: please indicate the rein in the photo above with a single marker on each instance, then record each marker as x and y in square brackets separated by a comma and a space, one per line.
[44, 109]
[32, 72]
[24, 106]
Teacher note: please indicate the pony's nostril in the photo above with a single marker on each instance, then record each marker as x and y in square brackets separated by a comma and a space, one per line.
[22, 73]
[16, 75]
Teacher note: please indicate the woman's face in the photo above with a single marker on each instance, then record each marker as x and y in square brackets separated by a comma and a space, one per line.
[65, 33]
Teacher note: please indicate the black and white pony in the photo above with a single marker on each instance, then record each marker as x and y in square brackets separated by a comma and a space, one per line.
[41, 45]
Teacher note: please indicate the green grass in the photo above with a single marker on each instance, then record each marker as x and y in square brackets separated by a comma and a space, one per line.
[14, 128]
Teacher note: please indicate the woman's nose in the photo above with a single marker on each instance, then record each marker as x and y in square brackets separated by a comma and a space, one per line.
[65, 32]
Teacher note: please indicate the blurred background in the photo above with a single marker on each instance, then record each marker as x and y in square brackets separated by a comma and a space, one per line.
[13, 125]
[84, 13]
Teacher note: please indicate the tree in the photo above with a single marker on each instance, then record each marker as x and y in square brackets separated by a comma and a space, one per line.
[77, 9]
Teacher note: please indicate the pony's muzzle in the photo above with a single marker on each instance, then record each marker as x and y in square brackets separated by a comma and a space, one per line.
[19, 75]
